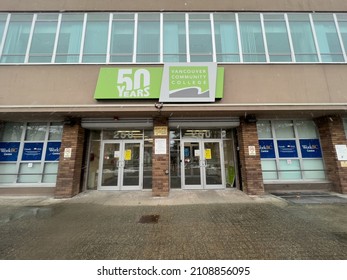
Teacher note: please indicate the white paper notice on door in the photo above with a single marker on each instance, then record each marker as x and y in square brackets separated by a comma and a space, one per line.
[341, 151]
[160, 146]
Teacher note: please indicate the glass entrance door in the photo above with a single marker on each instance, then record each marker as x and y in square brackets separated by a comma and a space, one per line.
[121, 165]
[202, 164]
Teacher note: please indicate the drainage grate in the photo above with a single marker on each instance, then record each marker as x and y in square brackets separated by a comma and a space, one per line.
[149, 219]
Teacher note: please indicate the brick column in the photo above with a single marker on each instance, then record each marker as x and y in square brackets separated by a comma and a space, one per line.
[251, 175]
[332, 133]
[70, 168]
[160, 162]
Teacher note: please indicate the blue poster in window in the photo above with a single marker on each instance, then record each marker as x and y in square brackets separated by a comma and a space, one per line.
[310, 148]
[9, 151]
[267, 149]
[32, 151]
[53, 151]
[287, 148]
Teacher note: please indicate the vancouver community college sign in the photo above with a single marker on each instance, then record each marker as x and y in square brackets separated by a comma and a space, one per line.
[176, 82]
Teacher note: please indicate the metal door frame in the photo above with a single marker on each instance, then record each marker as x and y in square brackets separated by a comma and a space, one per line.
[202, 164]
[120, 185]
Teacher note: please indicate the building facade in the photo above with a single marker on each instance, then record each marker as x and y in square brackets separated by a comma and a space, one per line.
[117, 95]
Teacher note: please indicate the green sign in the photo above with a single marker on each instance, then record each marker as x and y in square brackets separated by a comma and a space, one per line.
[190, 82]
[129, 83]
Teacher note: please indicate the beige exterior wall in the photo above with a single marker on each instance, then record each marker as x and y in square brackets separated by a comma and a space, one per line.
[247, 88]
[178, 5]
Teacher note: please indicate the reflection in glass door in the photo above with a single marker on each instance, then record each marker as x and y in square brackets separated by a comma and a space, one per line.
[121, 165]
[202, 165]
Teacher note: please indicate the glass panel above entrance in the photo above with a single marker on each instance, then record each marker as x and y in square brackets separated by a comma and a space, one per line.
[203, 133]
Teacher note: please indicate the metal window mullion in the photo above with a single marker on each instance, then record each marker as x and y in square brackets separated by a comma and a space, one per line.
[45, 143]
[238, 36]
[83, 36]
[2, 42]
[277, 157]
[56, 38]
[290, 38]
[109, 35]
[343, 48]
[214, 52]
[264, 38]
[187, 37]
[33, 23]
[315, 38]
[161, 46]
[136, 15]
[297, 142]
[21, 149]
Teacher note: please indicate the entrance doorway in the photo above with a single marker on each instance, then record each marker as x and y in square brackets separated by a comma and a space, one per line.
[202, 166]
[121, 165]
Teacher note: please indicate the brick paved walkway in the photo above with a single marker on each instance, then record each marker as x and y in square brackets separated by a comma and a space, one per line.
[253, 228]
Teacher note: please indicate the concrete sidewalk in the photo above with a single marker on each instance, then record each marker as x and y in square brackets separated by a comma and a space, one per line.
[225, 224]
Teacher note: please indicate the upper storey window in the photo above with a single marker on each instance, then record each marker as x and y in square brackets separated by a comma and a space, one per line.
[149, 37]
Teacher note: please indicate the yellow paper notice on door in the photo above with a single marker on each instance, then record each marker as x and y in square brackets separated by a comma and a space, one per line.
[127, 155]
[208, 154]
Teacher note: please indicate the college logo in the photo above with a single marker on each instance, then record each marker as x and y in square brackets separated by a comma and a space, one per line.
[188, 81]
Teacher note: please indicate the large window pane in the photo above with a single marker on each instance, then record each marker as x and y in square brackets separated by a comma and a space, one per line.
[200, 38]
[277, 38]
[11, 131]
[95, 44]
[226, 38]
[42, 43]
[284, 129]
[3, 18]
[148, 38]
[306, 129]
[269, 171]
[313, 169]
[252, 38]
[264, 129]
[29, 173]
[17, 38]
[328, 40]
[302, 37]
[69, 41]
[50, 172]
[174, 36]
[122, 38]
[36, 132]
[289, 169]
[55, 131]
[8, 173]
[342, 21]
[345, 126]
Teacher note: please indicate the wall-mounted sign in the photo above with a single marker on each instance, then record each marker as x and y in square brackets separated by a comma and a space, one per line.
[310, 148]
[251, 151]
[189, 82]
[53, 151]
[32, 151]
[267, 149]
[160, 131]
[9, 151]
[341, 151]
[193, 82]
[287, 148]
[160, 146]
[67, 152]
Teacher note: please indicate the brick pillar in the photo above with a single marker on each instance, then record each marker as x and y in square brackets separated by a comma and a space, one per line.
[251, 175]
[332, 133]
[70, 168]
[160, 162]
